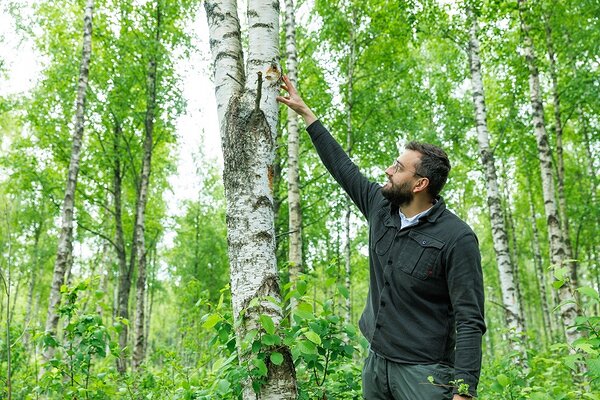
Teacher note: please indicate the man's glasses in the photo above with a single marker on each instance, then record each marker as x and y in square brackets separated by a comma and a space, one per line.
[398, 167]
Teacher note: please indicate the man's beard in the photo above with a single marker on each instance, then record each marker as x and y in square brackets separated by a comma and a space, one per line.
[398, 195]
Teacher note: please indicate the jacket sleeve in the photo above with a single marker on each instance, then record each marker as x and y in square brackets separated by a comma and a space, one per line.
[465, 286]
[344, 171]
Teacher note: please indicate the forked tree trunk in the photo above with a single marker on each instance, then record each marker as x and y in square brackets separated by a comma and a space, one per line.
[138, 350]
[510, 295]
[295, 210]
[65, 241]
[558, 251]
[248, 115]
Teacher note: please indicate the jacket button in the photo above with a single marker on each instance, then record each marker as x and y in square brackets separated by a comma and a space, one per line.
[424, 242]
[387, 283]
[378, 326]
[389, 262]
[382, 303]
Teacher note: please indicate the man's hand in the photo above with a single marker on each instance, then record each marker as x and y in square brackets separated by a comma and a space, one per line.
[459, 397]
[295, 102]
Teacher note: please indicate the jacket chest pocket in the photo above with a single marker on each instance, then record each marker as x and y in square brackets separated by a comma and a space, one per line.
[419, 257]
[383, 240]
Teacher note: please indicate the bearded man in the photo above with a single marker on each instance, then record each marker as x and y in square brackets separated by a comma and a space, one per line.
[424, 311]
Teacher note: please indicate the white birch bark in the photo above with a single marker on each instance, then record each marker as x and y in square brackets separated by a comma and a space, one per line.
[547, 318]
[510, 296]
[65, 242]
[140, 226]
[558, 250]
[248, 115]
[295, 210]
[560, 164]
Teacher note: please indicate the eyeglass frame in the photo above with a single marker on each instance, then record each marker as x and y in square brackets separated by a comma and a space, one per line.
[398, 167]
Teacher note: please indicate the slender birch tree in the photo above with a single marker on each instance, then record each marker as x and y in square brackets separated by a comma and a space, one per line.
[248, 113]
[560, 162]
[64, 254]
[510, 296]
[558, 251]
[142, 193]
[295, 208]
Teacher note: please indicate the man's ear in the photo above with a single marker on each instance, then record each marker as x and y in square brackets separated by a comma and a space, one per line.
[422, 185]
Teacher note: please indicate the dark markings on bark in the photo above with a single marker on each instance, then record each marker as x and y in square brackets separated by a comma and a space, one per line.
[261, 25]
[234, 34]
[262, 201]
[214, 16]
[226, 54]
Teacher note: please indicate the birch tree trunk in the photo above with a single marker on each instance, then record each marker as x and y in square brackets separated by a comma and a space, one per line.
[65, 242]
[124, 283]
[547, 318]
[560, 164]
[248, 115]
[558, 251]
[510, 296]
[295, 210]
[138, 352]
[350, 103]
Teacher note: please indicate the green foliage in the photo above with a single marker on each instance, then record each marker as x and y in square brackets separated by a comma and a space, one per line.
[317, 341]
[85, 339]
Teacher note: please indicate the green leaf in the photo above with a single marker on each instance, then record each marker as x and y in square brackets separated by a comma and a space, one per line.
[301, 287]
[223, 386]
[590, 292]
[570, 361]
[593, 365]
[561, 273]
[304, 311]
[211, 321]
[276, 358]
[503, 380]
[557, 284]
[267, 323]
[343, 290]
[271, 340]
[586, 347]
[313, 337]
[307, 347]
[261, 367]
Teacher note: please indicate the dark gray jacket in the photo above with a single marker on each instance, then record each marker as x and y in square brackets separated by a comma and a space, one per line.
[425, 302]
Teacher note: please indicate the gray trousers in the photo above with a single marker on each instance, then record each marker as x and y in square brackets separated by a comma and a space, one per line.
[387, 380]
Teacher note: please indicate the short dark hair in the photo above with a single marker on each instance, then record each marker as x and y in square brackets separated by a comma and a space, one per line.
[434, 165]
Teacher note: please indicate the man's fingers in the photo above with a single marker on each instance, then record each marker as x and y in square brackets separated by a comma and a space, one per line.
[284, 100]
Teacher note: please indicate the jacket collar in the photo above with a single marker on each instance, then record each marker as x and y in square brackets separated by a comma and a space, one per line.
[391, 218]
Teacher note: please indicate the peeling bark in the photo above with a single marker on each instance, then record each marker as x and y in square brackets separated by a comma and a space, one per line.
[248, 116]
